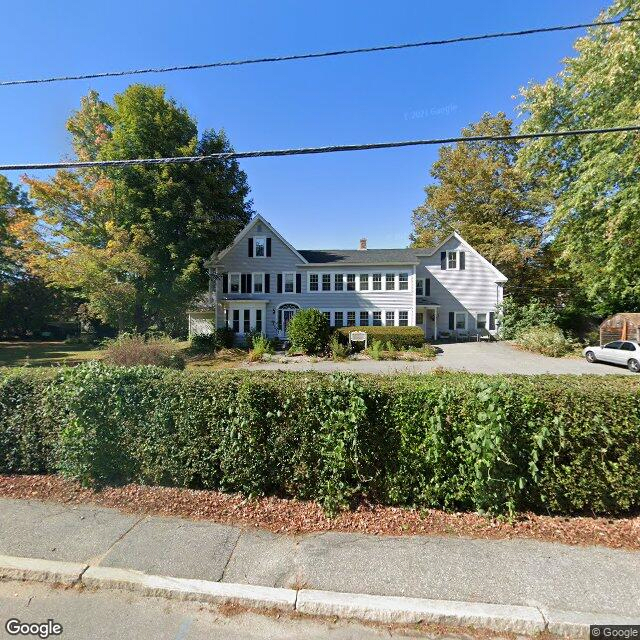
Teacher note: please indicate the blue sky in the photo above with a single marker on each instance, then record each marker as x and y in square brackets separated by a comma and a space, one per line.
[325, 201]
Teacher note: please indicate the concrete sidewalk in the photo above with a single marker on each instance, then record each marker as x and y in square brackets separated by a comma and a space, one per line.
[549, 576]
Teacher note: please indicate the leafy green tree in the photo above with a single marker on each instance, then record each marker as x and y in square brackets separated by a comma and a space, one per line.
[595, 179]
[481, 192]
[174, 216]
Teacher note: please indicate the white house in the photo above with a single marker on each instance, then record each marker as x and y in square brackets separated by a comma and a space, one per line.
[260, 281]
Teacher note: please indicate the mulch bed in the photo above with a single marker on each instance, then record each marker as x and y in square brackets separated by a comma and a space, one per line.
[297, 517]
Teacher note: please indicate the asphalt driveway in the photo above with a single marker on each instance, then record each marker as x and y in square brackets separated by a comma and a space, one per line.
[476, 357]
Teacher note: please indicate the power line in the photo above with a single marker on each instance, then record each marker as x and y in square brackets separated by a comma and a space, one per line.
[310, 150]
[323, 54]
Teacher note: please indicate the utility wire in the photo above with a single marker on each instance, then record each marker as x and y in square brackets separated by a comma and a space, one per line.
[323, 54]
[311, 150]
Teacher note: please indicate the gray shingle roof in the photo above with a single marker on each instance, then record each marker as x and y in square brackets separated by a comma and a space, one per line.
[356, 256]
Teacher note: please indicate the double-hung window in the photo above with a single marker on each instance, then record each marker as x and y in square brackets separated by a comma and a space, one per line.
[234, 283]
[327, 315]
[288, 282]
[351, 281]
[326, 282]
[236, 320]
[313, 282]
[247, 321]
[259, 320]
[390, 318]
[481, 321]
[461, 320]
[390, 282]
[377, 282]
[364, 282]
[377, 318]
[419, 318]
[403, 318]
[452, 259]
[351, 318]
[338, 282]
[419, 286]
[403, 281]
[258, 282]
[364, 318]
[338, 319]
[260, 247]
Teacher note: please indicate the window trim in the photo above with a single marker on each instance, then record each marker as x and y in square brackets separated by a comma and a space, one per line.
[395, 281]
[284, 281]
[355, 282]
[486, 320]
[255, 246]
[456, 257]
[309, 289]
[321, 282]
[235, 273]
[386, 319]
[401, 282]
[402, 319]
[253, 282]
[368, 281]
[455, 321]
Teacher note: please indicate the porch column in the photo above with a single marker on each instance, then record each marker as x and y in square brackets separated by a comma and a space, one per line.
[435, 323]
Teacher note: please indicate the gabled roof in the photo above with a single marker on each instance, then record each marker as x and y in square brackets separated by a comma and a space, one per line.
[245, 232]
[426, 252]
[360, 256]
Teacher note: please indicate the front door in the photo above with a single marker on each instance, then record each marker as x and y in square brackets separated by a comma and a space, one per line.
[285, 313]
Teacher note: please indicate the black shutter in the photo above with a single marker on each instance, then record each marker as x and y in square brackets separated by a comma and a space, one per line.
[461, 254]
[249, 289]
[267, 283]
[250, 250]
[443, 260]
[452, 320]
[298, 283]
[279, 283]
[427, 286]
[492, 321]
[268, 247]
[243, 283]
[225, 283]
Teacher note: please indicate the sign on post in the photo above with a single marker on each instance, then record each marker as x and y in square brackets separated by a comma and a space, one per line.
[358, 336]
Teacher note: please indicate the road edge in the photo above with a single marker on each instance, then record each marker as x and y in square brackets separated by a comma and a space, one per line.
[518, 619]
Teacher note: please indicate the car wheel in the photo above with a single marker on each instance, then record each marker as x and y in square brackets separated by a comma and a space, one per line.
[633, 365]
[590, 356]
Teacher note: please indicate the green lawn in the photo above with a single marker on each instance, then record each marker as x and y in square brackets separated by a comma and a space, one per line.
[48, 354]
[44, 354]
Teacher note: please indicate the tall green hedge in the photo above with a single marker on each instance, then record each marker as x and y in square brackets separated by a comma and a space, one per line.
[497, 444]
[399, 337]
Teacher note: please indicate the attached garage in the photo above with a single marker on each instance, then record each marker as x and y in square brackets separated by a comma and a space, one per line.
[621, 326]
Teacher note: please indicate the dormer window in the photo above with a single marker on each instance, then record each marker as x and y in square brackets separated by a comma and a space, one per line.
[260, 246]
[452, 260]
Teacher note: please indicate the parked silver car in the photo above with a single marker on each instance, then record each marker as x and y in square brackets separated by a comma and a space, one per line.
[626, 352]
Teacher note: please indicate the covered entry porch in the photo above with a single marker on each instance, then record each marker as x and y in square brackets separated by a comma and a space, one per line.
[427, 318]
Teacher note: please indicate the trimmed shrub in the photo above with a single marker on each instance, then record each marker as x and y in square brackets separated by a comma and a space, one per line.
[549, 341]
[495, 444]
[226, 337]
[130, 349]
[337, 350]
[309, 331]
[400, 337]
[204, 343]
[261, 346]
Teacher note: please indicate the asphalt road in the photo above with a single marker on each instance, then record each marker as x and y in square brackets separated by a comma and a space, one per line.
[113, 615]
[474, 357]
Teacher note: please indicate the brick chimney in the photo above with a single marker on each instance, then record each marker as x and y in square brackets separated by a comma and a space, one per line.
[363, 244]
